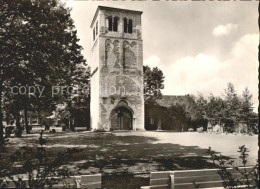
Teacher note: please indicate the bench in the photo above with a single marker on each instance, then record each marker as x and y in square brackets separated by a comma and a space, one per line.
[90, 181]
[83, 181]
[55, 129]
[80, 129]
[185, 179]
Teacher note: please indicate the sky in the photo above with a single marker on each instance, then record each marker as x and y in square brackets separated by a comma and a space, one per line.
[199, 45]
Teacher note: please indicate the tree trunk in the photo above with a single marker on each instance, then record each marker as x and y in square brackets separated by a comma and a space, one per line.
[18, 125]
[67, 124]
[159, 127]
[26, 119]
[1, 116]
[71, 125]
[26, 122]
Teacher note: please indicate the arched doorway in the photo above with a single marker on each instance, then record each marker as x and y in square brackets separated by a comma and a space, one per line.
[121, 119]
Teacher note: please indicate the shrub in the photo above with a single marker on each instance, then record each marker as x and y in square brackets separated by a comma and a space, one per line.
[39, 169]
[246, 178]
[200, 129]
[190, 129]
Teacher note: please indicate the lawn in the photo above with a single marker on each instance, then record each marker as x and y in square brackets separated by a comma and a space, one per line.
[127, 158]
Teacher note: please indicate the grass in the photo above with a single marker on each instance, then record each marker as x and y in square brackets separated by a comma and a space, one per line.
[127, 158]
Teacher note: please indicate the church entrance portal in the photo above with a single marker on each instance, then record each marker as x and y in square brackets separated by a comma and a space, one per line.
[121, 119]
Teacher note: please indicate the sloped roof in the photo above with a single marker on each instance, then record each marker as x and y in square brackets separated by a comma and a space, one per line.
[169, 100]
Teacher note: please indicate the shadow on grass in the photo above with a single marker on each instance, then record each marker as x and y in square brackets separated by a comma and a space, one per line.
[126, 161]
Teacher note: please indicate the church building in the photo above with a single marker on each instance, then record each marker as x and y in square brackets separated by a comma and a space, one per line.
[117, 101]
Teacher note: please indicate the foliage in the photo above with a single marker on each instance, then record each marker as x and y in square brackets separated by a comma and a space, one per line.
[214, 109]
[230, 181]
[196, 111]
[153, 83]
[40, 169]
[232, 102]
[246, 113]
[39, 48]
[12, 105]
[231, 110]
[178, 117]
[76, 99]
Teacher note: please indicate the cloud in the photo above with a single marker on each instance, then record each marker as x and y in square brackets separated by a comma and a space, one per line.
[187, 74]
[153, 61]
[206, 74]
[223, 30]
[243, 65]
[192, 74]
[68, 3]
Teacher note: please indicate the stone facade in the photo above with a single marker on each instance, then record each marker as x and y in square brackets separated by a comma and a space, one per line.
[117, 101]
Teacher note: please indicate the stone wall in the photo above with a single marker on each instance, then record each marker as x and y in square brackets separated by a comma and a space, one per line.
[103, 24]
[121, 78]
[94, 104]
[120, 71]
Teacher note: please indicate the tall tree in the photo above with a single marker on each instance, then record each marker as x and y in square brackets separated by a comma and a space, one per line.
[246, 113]
[153, 83]
[12, 105]
[215, 109]
[246, 104]
[196, 111]
[38, 39]
[76, 95]
[9, 32]
[231, 111]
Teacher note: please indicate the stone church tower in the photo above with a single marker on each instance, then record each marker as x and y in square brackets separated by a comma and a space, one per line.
[117, 101]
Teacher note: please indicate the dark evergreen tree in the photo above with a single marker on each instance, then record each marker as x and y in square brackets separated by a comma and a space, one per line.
[215, 110]
[246, 113]
[231, 111]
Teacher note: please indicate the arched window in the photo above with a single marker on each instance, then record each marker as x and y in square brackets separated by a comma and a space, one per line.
[97, 27]
[130, 26]
[110, 23]
[115, 24]
[125, 25]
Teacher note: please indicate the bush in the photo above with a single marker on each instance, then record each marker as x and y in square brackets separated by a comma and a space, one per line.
[190, 129]
[35, 163]
[8, 131]
[200, 129]
[229, 181]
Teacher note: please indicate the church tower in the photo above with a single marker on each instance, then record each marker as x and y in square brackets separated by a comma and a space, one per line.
[117, 101]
